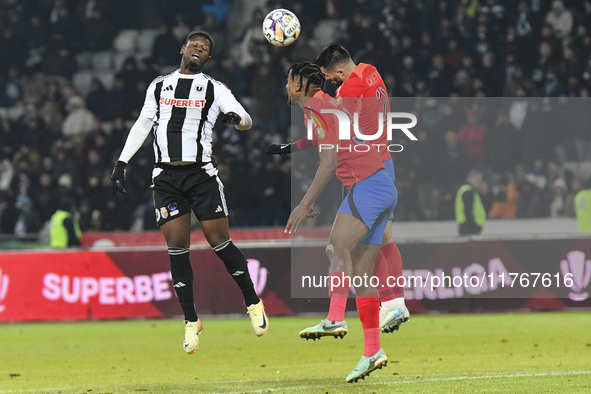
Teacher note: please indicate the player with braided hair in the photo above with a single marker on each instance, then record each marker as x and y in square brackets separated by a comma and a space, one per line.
[362, 90]
[357, 231]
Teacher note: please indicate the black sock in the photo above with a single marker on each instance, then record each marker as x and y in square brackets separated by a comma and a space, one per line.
[237, 266]
[182, 280]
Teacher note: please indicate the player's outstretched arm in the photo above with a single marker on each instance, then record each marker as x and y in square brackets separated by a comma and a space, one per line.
[290, 147]
[326, 170]
[241, 122]
[229, 105]
[137, 135]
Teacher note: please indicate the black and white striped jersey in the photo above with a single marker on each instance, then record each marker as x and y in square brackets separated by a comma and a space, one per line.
[184, 108]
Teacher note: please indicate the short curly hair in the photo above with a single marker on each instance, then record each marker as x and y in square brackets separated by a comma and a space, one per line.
[201, 33]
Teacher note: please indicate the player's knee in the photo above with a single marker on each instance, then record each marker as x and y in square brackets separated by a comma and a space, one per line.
[217, 239]
[177, 241]
[330, 251]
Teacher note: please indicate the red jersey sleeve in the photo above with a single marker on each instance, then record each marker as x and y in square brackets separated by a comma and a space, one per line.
[324, 125]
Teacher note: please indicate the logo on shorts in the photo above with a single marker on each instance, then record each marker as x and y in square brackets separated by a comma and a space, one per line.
[173, 209]
[218, 209]
[163, 212]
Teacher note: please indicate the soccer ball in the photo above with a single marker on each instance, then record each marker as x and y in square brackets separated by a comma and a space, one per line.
[281, 27]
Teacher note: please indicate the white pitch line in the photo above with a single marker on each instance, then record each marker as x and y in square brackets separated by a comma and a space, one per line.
[452, 378]
[421, 380]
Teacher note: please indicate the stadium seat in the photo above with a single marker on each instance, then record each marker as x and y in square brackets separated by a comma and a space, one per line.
[119, 59]
[106, 77]
[107, 127]
[102, 60]
[125, 41]
[82, 80]
[325, 32]
[83, 60]
[145, 40]
[142, 55]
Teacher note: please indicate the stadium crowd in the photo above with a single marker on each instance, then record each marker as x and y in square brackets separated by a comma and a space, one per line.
[64, 114]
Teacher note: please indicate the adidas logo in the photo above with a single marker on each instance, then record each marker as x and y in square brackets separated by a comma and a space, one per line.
[169, 87]
[218, 209]
[237, 273]
[179, 284]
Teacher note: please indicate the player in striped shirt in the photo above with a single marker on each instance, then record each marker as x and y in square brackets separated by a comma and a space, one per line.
[181, 109]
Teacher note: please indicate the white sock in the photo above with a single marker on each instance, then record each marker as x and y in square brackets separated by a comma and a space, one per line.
[392, 304]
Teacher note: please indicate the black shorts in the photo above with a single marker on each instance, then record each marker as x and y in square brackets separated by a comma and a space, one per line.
[178, 189]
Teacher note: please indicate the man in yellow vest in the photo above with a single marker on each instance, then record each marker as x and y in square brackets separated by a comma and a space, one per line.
[64, 230]
[470, 212]
[583, 208]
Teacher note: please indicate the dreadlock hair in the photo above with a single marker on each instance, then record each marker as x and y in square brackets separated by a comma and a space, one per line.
[203, 34]
[334, 54]
[310, 71]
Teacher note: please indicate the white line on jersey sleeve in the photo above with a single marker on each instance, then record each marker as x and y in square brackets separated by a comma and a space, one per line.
[150, 105]
[137, 135]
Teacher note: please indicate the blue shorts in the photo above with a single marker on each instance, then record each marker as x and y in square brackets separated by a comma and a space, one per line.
[372, 201]
[390, 171]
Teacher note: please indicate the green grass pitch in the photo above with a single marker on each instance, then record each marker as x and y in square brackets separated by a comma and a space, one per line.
[490, 353]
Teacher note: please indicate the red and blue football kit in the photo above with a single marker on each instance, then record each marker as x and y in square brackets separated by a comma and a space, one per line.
[354, 163]
[365, 93]
[371, 194]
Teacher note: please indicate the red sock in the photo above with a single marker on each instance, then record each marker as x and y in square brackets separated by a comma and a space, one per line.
[368, 307]
[380, 271]
[338, 291]
[390, 262]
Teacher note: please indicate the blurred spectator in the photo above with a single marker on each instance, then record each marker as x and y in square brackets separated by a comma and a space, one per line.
[28, 221]
[533, 196]
[560, 19]
[218, 8]
[166, 48]
[119, 101]
[45, 196]
[38, 33]
[569, 209]
[470, 211]
[98, 32]
[505, 204]
[96, 100]
[552, 87]
[65, 231]
[452, 162]
[265, 94]
[12, 47]
[10, 139]
[79, 120]
[8, 214]
[11, 91]
[502, 145]
[491, 76]
[472, 137]
[582, 205]
[60, 62]
[129, 74]
[517, 82]
[559, 194]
